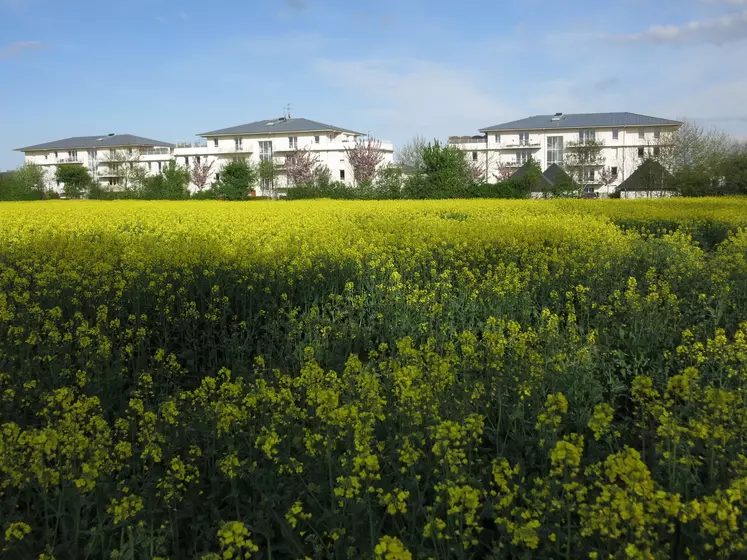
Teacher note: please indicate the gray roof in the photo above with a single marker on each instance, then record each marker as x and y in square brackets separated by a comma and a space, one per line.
[523, 171]
[582, 120]
[650, 176]
[101, 141]
[278, 125]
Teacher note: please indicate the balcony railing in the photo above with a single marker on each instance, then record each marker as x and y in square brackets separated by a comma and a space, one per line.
[191, 145]
[69, 160]
[155, 151]
[520, 145]
[456, 140]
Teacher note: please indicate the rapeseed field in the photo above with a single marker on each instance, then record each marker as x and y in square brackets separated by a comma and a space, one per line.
[389, 380]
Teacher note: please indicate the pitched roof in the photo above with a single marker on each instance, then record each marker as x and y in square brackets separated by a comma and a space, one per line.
[650, 176]
[555, 172]
[581, 120]
[278, 125]
[522, 171]
[101, 141]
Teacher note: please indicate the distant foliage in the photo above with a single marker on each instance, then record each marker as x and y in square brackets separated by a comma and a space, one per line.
[25, 183]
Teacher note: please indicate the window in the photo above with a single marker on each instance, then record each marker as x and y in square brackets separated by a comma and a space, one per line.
[159, 166]
[186, 161]
[342, 174]
[217, 176]
[293, 142]
[615, 134]
[215, 142]
[129, 151]
[317, 139]
[586, 136]
[498, 138]
[589, 190]
[657, 133]
[197, 158]
[614, 171]
[55, 154]
[46, 156]
[522, 156]
[331, 137]
[657, 151]
[474, 156]
[589, 175]
[238, 142]
[150, 166]
[523, 138]
[265, 150]
[641, 133]
[554, 150]
[641, 152]
[73, 155]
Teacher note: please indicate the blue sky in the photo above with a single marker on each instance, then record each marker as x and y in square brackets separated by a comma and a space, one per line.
[395, 68]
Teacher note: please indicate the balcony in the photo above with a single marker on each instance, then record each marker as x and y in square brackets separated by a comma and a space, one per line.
[155, 152]
[461, 140]
[520, 146]
[68, 160]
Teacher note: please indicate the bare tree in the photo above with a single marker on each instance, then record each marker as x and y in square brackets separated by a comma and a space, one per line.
[365, 158]
[581, 160]
[201, 172]
[410, 155]
[505, 171]
[691, 145]
[124, 166]
[301, 165]
[607, 177]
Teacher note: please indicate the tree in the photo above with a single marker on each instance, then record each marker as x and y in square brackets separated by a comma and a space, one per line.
[75, 178]
[124, 165]
[445, 173]
[581, 160]
[300, 166]
[410, 155]
[504, 173]
[201, 172]
[607, 177]
[171, 184]
[236, 178]
[268, 174]
[25, 183]
[365, 157]
[693, 145]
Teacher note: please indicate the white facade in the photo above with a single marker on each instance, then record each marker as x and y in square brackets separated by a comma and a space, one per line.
[108, 164]
[624, 148]
[328, 145]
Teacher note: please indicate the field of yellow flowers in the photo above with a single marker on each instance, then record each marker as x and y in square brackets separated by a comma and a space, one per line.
[389, 380]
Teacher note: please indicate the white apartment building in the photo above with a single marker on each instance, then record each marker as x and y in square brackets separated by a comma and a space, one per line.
[276, 140]
[267, 140]
[627, 139]
[104, 156]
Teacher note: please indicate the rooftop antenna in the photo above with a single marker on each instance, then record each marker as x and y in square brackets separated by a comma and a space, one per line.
[288, 111]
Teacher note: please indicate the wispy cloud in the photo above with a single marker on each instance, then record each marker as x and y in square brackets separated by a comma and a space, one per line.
[20, 46]
[409, 95]
[718, 31]
[296, 4]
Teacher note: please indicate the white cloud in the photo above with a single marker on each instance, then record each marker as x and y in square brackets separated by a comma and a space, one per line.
[412, 96]
[19, 46]
[718, 31]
